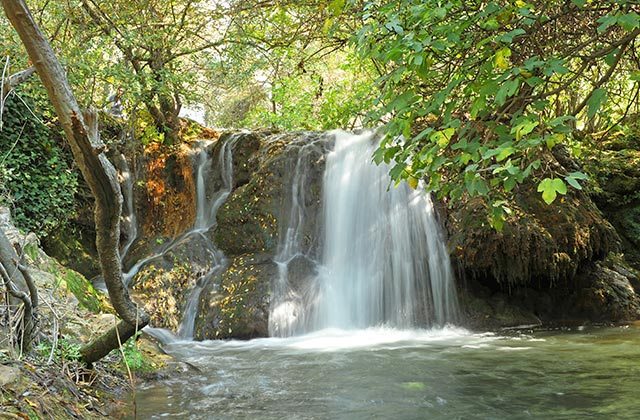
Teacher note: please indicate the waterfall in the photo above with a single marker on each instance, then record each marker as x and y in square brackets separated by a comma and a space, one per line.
[205, 220]
[287, 315]
[383, 260]
[130, 222]
[206, 211]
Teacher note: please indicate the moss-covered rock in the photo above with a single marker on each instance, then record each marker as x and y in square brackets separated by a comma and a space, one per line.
[541, 245]
[543, 265]
[163, 292]
[74, 247]
[235, 304]
[616, 170]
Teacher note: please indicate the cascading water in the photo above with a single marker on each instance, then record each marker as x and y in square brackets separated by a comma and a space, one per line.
[383, 259]
[130, 223]
[206, 211]
[287, 315]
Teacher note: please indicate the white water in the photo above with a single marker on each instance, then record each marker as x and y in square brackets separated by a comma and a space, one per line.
[206, 211]
[130, 222]
[287, 314]
[383, 261]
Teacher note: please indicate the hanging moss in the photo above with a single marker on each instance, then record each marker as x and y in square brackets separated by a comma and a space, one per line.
[541, 245]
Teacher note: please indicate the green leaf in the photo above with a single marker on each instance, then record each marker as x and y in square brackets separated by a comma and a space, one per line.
[480, 186]
[559, 186]
[550, 188]
[578, 175]
[397, 171]
[509, 184]
[501, 59]
[573, 182]
[629, 21]
[554, 139]
[505, 153]
[509, 36]
[606, 21]
[555, 66]
[443, 137]
[595, 101]
[524, 128]
[508, 89]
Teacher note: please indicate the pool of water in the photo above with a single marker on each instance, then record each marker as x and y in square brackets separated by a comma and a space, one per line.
[405, 374]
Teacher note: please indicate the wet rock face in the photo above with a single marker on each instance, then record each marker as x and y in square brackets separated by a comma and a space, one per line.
[235, 301]
[251, 218]
[600, 293]
[607, 296]
[235, 304]
[250, 224]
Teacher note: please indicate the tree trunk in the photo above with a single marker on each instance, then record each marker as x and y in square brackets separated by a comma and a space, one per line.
[14, 282]
[88, 152]
[8, 257]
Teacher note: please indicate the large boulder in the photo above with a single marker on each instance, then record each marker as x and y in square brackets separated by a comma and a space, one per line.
[617, 193]
[235, 303]
[542, 267]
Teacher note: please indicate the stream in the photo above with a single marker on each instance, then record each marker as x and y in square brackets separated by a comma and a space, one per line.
[404, 374]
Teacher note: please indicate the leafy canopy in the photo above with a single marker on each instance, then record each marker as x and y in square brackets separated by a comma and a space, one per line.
[475, 94]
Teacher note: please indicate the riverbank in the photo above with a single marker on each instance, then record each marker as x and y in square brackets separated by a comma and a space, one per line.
[49, 381]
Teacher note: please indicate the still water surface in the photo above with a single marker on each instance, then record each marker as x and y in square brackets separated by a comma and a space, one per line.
[385, 373]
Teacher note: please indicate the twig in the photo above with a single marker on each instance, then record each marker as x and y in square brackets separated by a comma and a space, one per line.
[4, 72]
[27, 321]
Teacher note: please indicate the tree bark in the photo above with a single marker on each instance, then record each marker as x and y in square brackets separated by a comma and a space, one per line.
[15, 79]
[8, 257]
[25, 331]
[88, 152]
[101, 346]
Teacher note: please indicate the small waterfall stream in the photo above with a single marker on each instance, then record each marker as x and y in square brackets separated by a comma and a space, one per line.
[205, 220]
[130, 222]
[287, 315]
[206, 211]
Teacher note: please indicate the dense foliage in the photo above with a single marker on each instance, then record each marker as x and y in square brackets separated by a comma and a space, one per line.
[36, 178]
[474, 92]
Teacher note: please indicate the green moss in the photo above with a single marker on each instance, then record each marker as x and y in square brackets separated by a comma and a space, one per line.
[82, 289]
[73, 248]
